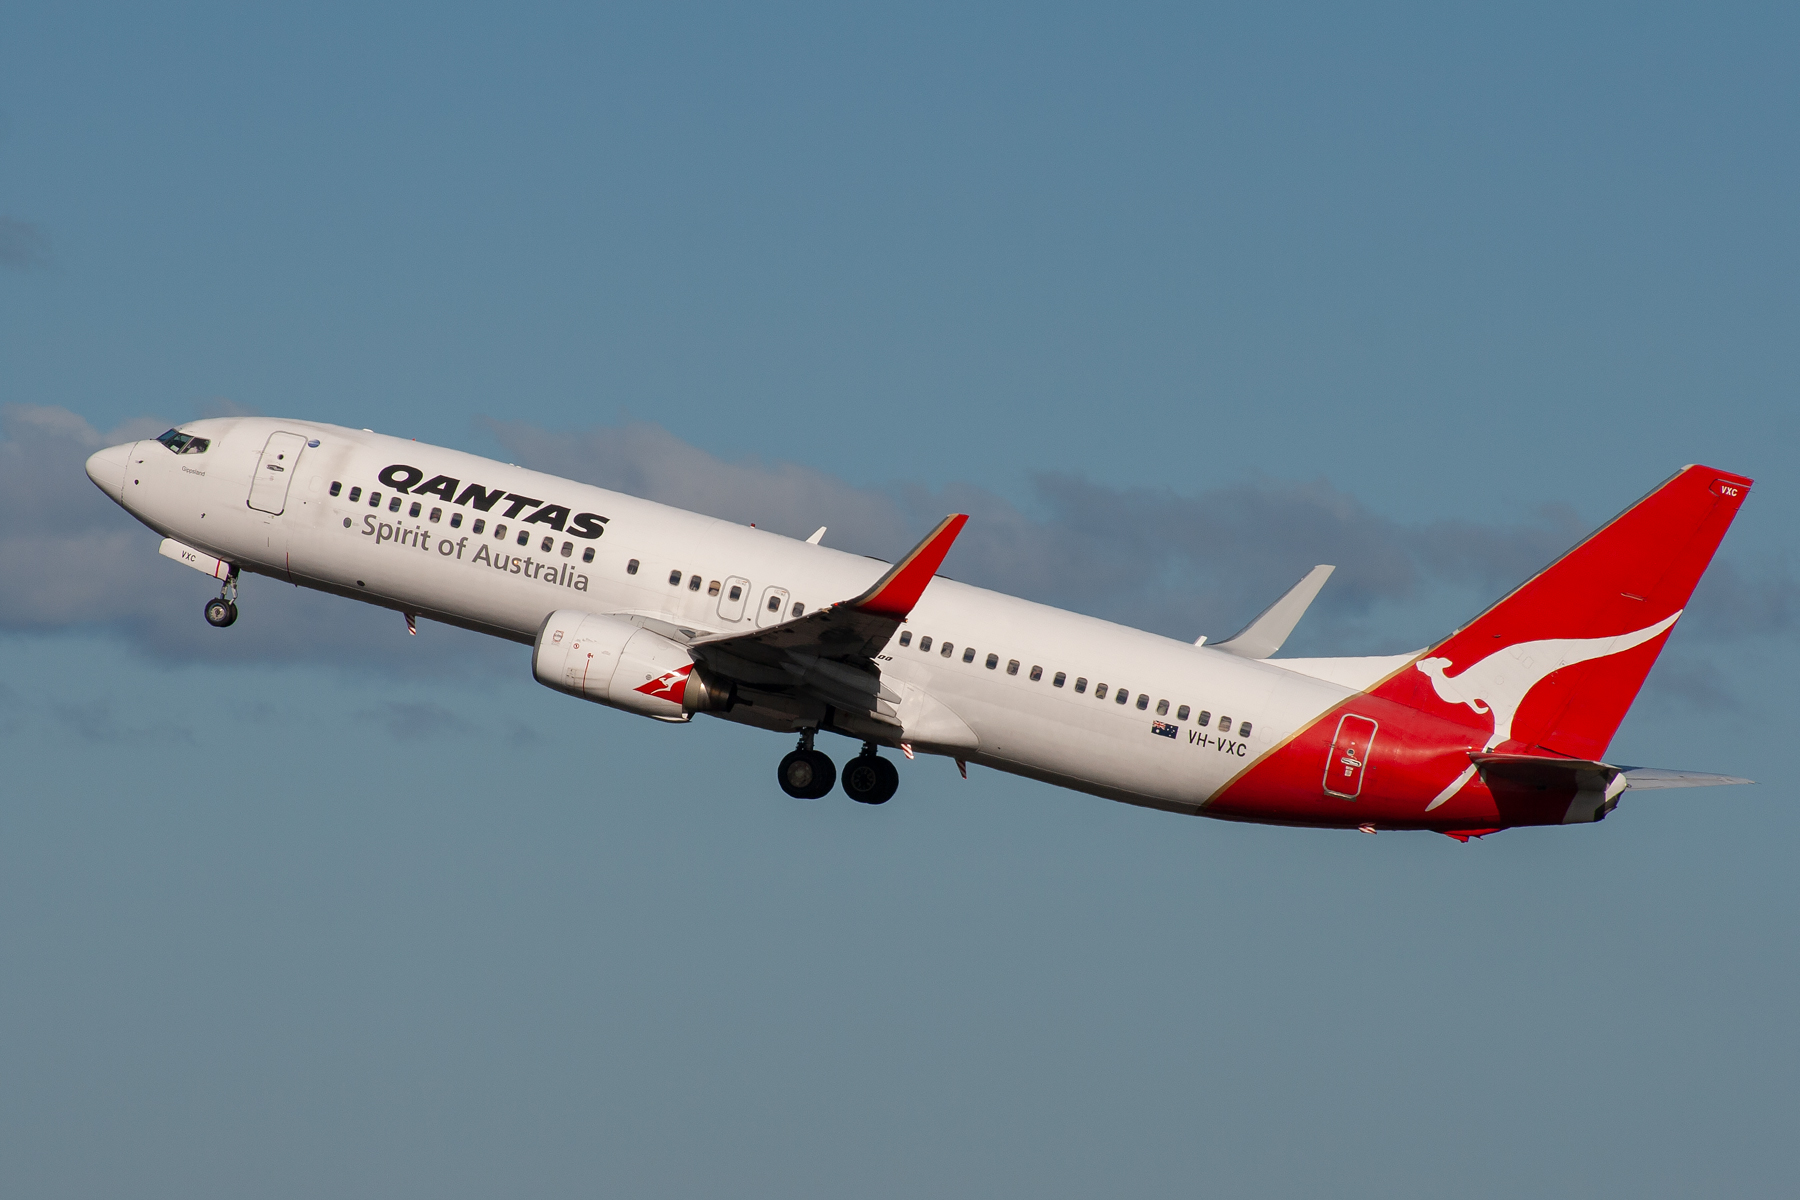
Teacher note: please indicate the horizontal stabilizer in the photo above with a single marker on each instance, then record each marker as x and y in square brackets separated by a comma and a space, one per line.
[1526, 767]
[1263, 636]
[1651, 777]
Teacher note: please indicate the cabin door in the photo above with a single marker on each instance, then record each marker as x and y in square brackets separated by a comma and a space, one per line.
[275, 470]
[1348, 760]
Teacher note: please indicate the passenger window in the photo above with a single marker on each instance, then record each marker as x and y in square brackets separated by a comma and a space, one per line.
[1181, 714]
[1203, 718]
[394, 504]
[631, 567]
[1123, 696]
[925, 643]
[415, 510]
[675, 581]
[480, 526]
[712, 589]
[1061, 676]
[1081, 685]
[969, 654]
[1099, 691]
[544, 547]
[1162, 708]
[993, 660]
[525, 537]
[437, 514]
[374, 499]
[336, 487]
[1224, 724]
[737, 591]
[568, 549]
[1037, 674]
[906, 637]
[948, 647]
[1012, 666]
[798, 608]
[355, 494]
[1243, 729]
[774, 604]
[694, 583]
[456, 520]
[587, 555]
[1144, 702]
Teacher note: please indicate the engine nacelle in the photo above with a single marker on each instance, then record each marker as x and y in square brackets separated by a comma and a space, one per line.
[611, 661]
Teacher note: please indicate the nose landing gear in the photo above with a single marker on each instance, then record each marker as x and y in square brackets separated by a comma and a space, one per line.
[221, 610]
[806, 774]
[870, 778]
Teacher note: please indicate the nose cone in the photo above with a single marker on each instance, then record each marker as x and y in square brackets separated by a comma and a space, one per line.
[107, 469]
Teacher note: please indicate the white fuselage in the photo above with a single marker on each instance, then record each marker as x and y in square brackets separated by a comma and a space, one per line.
[999, 715]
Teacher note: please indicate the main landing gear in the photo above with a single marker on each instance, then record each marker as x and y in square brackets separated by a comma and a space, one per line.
[806, 774]
[870, 778]
[221, 610]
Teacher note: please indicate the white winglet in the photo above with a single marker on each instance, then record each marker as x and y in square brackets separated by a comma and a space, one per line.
[817, 534]
[1263, 636]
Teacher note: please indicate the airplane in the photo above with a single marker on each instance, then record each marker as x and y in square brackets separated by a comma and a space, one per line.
[667, 614]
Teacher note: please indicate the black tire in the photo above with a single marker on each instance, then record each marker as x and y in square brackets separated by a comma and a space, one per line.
[890, 779]
[220, 612]
[870, 779]
[806, 774]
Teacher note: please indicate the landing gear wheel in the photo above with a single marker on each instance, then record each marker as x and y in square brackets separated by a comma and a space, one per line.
[220, 612]
[806, 774]
[870, 778]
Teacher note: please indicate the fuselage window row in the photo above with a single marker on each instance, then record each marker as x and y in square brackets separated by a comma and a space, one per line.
[1121, 696]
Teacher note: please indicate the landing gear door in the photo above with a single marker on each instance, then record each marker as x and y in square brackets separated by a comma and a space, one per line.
[1348, 761]
[773, 606]
[275, 470]
[733, 598]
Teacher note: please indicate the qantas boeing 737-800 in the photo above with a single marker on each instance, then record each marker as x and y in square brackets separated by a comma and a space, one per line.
[666, 613]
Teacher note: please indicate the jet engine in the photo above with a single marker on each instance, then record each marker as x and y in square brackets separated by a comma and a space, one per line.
[611, 661]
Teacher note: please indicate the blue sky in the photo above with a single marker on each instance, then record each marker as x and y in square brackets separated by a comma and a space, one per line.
[1177, 302]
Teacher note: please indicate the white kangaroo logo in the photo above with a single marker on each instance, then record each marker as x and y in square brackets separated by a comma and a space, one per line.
[1500, 682]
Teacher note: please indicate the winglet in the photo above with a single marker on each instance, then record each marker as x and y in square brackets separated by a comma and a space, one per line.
[1263, 636]
[895, 593]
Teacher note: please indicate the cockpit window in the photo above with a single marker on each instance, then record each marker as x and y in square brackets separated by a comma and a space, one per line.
[184, 443]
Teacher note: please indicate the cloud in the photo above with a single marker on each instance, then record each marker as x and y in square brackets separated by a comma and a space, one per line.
[1177, 563]
[418, 721]
[97, 720]
[23, 245]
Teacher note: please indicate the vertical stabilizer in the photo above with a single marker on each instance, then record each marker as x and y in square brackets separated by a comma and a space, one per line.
[1553, 666]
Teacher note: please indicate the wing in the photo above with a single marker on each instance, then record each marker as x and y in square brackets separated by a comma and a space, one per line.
[831, 651]
[1263, 636]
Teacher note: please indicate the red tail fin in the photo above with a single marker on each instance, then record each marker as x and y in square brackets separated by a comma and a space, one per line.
[1553, 667]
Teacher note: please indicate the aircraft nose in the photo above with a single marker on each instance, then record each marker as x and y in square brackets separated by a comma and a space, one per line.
[107, 469]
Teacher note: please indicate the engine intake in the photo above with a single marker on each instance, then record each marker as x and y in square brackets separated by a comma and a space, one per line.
[611, 661]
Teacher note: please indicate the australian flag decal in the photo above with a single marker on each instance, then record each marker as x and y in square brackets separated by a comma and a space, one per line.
[1162, 729]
